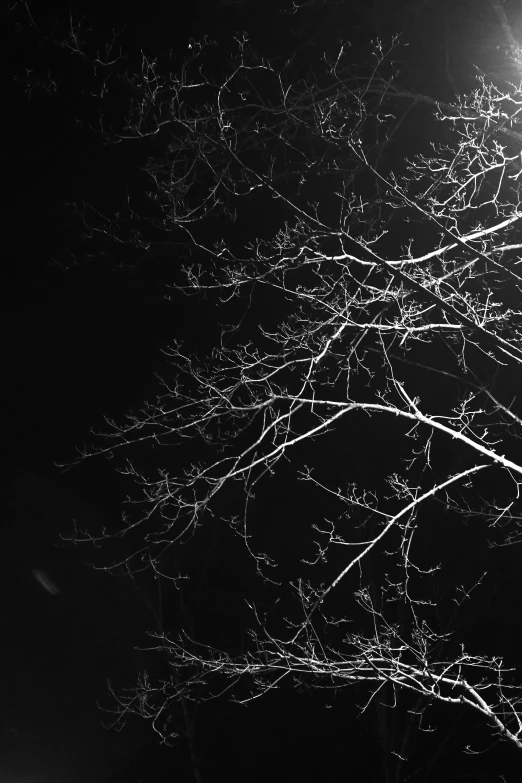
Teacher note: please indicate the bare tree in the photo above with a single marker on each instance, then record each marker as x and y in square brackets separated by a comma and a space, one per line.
[380, 316]
[355, 422]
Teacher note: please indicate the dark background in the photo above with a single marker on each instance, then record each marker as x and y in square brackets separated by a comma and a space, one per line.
[84, 324]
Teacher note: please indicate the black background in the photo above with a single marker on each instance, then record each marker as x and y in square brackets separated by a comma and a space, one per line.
[83, 338]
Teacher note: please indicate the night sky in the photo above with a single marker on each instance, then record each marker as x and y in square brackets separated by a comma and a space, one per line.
[87, 321]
